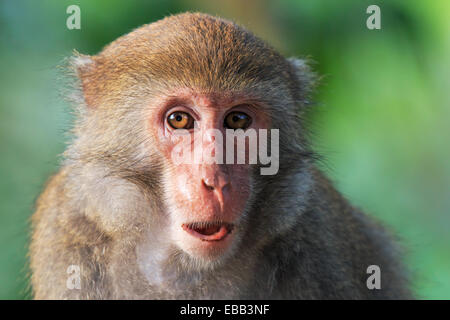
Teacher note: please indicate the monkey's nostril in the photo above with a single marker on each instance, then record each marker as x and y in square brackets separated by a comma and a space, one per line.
[207, 186]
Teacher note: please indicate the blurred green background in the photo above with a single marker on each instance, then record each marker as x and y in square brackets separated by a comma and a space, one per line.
[381, 123]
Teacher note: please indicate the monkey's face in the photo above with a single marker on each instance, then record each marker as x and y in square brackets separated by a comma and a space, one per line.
[159, 105]
[207, 188]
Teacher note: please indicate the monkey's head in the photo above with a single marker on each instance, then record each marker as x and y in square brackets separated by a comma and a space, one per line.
[179, 86]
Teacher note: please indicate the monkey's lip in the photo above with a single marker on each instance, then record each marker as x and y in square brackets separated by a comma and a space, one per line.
[208, 231]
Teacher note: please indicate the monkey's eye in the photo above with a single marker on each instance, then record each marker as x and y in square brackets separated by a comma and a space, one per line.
[237, 120]
[180, 120]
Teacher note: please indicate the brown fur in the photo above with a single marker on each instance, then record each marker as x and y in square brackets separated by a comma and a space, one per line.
[106, 205]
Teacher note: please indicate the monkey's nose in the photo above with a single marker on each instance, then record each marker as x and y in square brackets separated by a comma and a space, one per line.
[208, 185]
[219, 186]
[217, 183]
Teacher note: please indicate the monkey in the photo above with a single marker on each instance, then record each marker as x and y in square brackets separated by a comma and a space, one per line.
[138, 225]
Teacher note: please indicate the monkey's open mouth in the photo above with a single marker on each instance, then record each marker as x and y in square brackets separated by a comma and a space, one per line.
[208, 231]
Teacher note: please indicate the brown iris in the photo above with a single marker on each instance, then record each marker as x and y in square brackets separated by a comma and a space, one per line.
[237, 120]
[180, 120]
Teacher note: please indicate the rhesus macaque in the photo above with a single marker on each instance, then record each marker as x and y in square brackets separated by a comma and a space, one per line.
[138, 225]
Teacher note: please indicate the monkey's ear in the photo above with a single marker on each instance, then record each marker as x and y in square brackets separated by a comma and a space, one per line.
[305, 78]
[82, 68]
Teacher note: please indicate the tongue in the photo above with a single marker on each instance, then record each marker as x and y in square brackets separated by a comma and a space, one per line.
[208, 230]
[214, 233]
[208, 233]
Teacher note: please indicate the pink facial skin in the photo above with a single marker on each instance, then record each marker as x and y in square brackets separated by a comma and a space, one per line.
[206, 200]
